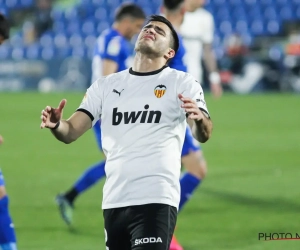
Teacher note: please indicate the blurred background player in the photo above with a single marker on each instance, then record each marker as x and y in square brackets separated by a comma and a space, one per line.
[197, 30]
[4, 29]
[192, 157]
[111, 55]
[7, 231]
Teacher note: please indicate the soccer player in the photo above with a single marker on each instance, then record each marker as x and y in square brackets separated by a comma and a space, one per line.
[198, 31]
[144, 112]
[111, 55]
[192, 156]
[7, 231]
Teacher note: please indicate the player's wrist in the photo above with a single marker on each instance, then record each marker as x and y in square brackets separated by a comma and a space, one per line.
[214, 78]
[56, 126]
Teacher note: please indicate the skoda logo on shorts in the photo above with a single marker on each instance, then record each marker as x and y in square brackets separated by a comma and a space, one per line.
[160, 90]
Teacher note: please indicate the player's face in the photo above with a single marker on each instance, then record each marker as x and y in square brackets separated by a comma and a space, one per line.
[154, 39]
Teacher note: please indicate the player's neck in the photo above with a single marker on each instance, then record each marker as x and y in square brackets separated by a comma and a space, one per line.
[143, 64]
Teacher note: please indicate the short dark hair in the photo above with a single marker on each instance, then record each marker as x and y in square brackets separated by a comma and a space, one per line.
[131, 10]
[4, 27]
[172, 4]
[175, 39]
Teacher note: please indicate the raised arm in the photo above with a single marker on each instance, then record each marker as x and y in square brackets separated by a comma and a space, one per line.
[210, 59]
[211, 65]
[66, 131]
[197, 119]
[193, 105]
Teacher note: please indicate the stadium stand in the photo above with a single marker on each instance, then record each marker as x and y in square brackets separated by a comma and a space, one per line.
[75, 29]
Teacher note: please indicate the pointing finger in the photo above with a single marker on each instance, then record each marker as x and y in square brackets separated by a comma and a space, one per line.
[181, 97]
[185, 99]
[62, 104]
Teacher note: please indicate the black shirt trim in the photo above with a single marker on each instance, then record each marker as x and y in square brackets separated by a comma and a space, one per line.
[86, 112]
[203, 110]
[131, 71]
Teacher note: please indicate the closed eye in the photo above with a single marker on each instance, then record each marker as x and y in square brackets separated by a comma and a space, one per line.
[160, 31]
[156, 28]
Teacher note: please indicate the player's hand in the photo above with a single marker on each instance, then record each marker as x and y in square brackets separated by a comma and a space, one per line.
[216, 89]
[1, 139]
[191, 108]
[50, 116]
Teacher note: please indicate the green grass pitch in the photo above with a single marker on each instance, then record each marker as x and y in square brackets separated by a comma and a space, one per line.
[252, 184]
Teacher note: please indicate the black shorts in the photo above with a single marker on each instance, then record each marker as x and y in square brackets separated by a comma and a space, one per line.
[144, 227]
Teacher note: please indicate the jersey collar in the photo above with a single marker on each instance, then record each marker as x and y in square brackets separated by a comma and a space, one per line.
[131, 71]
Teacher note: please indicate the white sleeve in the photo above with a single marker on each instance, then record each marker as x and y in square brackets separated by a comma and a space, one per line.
[208, 35]
[92, 101]
[191, 88]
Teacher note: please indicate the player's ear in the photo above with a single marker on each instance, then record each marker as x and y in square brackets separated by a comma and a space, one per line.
[171, 53]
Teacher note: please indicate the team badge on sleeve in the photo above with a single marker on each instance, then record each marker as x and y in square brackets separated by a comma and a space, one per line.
[114, 47]
[160, 90]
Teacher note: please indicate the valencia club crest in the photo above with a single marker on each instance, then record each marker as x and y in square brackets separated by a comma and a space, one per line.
[160, 90]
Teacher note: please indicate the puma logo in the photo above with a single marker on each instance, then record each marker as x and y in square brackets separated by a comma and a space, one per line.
[116, 91]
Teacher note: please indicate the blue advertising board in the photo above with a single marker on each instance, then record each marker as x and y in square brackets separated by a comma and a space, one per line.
[67, 74]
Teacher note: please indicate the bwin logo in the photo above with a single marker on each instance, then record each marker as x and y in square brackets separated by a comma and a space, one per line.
[132, 117]
[147, 240]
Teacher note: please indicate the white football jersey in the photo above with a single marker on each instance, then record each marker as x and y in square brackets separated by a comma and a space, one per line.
[197, 29]
[143, 128]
